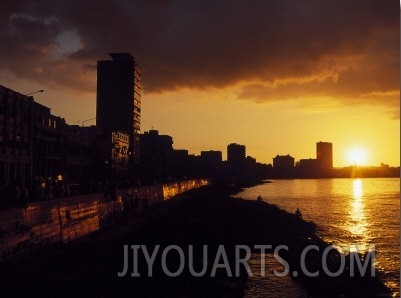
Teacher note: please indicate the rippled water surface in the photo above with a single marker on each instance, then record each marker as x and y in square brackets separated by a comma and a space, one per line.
[356, 213]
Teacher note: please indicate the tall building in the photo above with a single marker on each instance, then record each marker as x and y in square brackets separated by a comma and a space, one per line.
[324, 155]
[236, 154]
[119, 90]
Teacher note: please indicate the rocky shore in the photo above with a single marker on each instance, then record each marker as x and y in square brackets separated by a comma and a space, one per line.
[209, 217]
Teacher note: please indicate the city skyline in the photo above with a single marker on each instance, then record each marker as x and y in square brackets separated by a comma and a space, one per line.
[275, 77]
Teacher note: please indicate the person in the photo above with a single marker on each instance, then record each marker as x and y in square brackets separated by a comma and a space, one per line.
[17, 192]
[298, 213]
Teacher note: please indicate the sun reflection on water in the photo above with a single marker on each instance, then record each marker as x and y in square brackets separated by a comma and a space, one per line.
[357, 188]
[357, 223]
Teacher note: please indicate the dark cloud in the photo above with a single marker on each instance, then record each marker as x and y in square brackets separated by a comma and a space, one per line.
[284, 49]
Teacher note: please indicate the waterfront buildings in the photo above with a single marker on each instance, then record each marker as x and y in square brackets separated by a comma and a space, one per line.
[36, 145]
[16, 136]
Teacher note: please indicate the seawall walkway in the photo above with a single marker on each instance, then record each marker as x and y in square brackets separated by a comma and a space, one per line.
[63, 220]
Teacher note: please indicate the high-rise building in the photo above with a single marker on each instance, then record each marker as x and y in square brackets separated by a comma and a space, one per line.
[324, 155]
[119, 90]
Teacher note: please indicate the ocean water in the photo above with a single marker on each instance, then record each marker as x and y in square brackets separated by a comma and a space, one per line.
[350, 213]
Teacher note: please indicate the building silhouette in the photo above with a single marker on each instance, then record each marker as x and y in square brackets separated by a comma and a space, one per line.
[181, 167]
[308, 168]
[49, 145]
[212, 158]
[236, 161]
[211, 163]
[156, 156]
[324, 155]
[236, 154]
[16, 136]
[283, 162]
[83, 151]
[118, 106]
[37, 146]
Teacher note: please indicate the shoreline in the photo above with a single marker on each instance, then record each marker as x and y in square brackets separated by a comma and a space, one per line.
[204, 216]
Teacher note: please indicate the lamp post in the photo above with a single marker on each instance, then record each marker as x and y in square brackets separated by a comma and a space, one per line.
[34, 92]
[82, 122]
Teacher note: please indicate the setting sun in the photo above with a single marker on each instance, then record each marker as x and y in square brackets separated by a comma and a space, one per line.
[357, 156]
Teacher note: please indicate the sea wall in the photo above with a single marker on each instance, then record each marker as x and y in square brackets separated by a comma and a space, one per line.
[63, 220]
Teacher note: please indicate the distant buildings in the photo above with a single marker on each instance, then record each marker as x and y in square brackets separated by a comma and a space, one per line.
[308, 168]
[118, 107]
[212, 158]
[211, 163]
[283, 162]
[236, 154]
[324, 155]
[181, 166]
[156, 156]
[321, 166]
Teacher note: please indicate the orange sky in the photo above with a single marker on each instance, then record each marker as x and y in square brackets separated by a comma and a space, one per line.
[276, 76]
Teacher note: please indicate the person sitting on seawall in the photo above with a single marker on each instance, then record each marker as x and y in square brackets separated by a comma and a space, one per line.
[298, 213]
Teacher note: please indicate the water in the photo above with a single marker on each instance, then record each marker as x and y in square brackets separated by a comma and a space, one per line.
[349, 212]
[268, 285]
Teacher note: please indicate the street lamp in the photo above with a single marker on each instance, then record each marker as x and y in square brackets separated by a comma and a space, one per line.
[82, 122]
[34, 92]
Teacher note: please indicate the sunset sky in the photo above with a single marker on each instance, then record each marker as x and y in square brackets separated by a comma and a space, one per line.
[276, 76]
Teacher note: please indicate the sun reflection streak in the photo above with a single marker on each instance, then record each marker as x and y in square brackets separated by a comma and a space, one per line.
[357, 223]
[357, 189]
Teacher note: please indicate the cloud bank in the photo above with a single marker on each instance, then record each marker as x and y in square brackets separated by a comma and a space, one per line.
[273, 50]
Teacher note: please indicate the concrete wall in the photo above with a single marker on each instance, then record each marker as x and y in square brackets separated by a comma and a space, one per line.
[63, 220]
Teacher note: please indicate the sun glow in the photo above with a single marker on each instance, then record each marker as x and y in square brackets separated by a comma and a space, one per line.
[357, 156]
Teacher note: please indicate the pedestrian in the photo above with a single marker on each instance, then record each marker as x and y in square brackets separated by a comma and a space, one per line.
[298, 213]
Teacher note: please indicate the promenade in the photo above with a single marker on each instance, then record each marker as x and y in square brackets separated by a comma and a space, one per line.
[89, 267]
